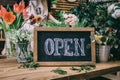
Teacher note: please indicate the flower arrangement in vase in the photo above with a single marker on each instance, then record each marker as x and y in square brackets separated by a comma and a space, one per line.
[13, 20]
[106, 39]
[10, 21]
[23, 38]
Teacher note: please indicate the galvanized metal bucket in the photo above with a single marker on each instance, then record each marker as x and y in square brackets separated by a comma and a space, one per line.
[104, 52]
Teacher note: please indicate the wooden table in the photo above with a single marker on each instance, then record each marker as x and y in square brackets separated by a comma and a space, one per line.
[9, 71]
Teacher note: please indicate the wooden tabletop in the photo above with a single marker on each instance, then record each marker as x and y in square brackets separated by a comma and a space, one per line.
[9, 71]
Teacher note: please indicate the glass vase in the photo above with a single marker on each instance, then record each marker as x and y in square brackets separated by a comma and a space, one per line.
[23, 52]
[10, 45]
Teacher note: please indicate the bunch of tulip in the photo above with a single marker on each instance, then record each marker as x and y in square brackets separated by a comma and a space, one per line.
[13, 19]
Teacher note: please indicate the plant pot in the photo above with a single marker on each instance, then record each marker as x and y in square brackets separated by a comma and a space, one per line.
[104, 52]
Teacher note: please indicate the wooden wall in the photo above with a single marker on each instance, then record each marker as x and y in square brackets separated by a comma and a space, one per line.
[65, 5]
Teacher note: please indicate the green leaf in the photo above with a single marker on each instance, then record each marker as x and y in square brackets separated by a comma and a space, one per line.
[59, 71]
[85, 68]
[31, 65]
[75, 69]
[103, 39]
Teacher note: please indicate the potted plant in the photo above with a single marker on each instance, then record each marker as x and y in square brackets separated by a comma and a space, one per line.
[12, 20]
[54, 2]
[106, 39]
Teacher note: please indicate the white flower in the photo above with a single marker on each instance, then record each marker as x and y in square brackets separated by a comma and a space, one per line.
[114, 10]
[110, 8]
[116, 14]
[65, 16]
[23, 35]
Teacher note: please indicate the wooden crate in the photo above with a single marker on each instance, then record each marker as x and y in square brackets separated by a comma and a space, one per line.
[64, 5]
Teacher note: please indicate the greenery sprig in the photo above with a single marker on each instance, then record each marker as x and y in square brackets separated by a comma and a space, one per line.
[59, 71]
[31, 65]
[85, 68]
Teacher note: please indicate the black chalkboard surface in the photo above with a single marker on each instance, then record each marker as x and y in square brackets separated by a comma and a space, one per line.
[64, 46]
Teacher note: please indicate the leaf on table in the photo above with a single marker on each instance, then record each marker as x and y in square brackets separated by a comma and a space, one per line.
[59, 71]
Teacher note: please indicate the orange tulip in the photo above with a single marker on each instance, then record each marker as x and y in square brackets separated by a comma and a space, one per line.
[2, 10]
[18, 8]
[9, 17]
[25, 13]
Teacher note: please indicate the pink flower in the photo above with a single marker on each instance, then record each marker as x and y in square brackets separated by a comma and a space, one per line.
[70, 19]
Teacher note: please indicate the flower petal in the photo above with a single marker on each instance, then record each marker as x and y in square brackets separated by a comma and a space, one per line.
[9, 18]
[19, 8]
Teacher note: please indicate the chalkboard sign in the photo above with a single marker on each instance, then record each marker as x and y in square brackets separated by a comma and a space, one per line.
[64, 46]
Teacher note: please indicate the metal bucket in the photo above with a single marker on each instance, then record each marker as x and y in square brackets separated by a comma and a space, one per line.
[104, 52]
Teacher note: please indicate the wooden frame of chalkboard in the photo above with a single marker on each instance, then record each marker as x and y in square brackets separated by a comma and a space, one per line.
[64, 46]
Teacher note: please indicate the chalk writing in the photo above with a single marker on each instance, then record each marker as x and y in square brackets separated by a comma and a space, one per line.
[70, 47]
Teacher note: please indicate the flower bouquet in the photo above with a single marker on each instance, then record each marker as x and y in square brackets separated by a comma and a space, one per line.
[23, 38]
[13, 19]
[106, 39]
[70, 19]
[10, 22]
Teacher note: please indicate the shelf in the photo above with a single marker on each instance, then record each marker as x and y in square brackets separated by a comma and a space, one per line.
[2, 39]
[2, 56]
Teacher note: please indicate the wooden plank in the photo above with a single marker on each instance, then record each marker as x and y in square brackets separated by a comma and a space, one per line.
[111, 77]
[9, 71]
[71, 2]
[2, 56]
[2, 39]
[65, 5]
[64, 29]
[1, 36]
